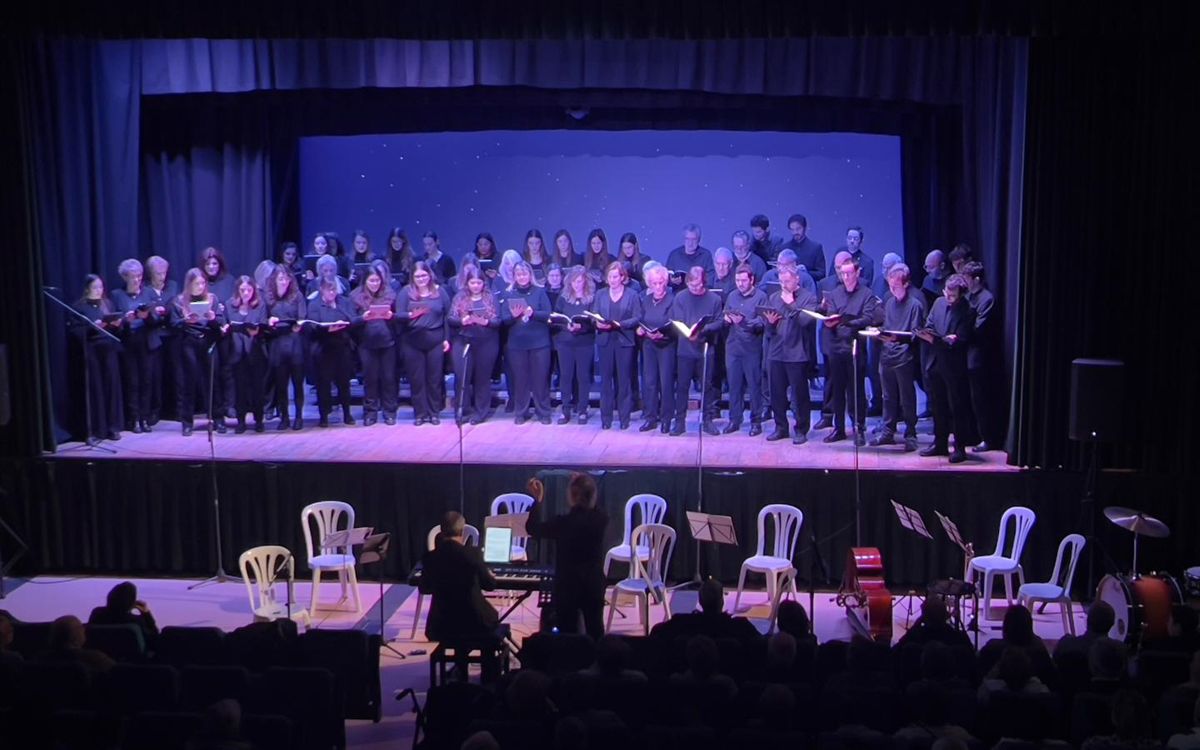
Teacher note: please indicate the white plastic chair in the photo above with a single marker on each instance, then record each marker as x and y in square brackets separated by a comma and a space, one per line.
[260, 567]
[514, 502]
[1000, 563]
[1052, 592]
[651, 508]
[647, 578]
[471, 535]
[787, 520]
[327, 517]
[786, 579]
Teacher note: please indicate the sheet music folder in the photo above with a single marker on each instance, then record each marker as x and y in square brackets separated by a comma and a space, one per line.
[952, 532]
[911, 520]
[347, 537]
[708, 527]
[514, 521]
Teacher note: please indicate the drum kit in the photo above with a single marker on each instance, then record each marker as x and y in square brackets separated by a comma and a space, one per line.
[1142, 603]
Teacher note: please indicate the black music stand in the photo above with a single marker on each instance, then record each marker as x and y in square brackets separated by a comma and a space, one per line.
[709, 527]
[911, 520]
[375, 549]
[967, 588]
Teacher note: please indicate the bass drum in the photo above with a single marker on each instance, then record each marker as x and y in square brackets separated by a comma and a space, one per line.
[1142, 605]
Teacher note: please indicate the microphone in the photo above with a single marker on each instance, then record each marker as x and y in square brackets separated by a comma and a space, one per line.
[210, 348]
[853, 347]
[466, 349]
[51, 289]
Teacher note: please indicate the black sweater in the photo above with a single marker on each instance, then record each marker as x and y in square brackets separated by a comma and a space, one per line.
[787, 340]
[745, 338]
[627, 311]
[858, 309]
[687, 309]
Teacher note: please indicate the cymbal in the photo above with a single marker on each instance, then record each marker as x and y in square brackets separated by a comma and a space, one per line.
[1136, 521]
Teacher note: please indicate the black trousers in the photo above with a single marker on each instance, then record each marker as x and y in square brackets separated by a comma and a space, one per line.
[473, 386]
[334, 364]
[616, 381]
[286, 357]
[687, 368]
[843, 389]
[744, 373]
[530, 373]
[658, 381]
[900, 397]
[573, 601]
[135, 377]
[874, 353]
[575, 378]
[380, 387]
[249, 377]
[790, 377]
[423, 359]
[986, 406]
[104, 386]
[158, 359]
[192, 375]
[951, 397]
[225, 394]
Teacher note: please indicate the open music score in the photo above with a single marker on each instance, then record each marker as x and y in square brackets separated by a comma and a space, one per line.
[911, 520]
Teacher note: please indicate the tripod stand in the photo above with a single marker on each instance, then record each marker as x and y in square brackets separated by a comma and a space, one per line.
[460, 379]
[220, 576]
[89, 442]
[375, 550]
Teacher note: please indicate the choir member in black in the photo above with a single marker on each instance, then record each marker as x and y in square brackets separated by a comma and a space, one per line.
[575, 341]
[487, 255]
[621, 311]
[466, 263]
[789, 353]
[827, 285]
[441, 264]
[904, 310]
[948, 331]
[855, 308]
[692, 306]
[525, 310]
[879, 288]
[504, 272]
[135, 304]
[337, 249]
[764, 247]
[596, 256]
[246, 316]
[400, 256]
[262, 272]
[688, 255]
[220, 283]
[161, 292]
[328, 244]
[722, 281]
[332, 350]
[555, 278]
[374, 302]
[631, 254]
[475, 321]
[289, 257]
[866, 266]
[743, 252]
[197, 315]
[100, 357]
[743, 349]
[579, 553]
[423, 305]
[809, 252]
[564, 253]
[286, 306]
[981, 358]
[327, 270]
[658, 350]
[787, 258]
[535, 254]
[362, 255]
[960, 256]
[936, 273]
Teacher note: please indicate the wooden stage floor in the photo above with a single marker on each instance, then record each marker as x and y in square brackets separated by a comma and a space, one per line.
[499, 442]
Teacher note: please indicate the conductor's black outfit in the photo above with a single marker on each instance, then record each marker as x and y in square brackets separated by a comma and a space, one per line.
[579, 561]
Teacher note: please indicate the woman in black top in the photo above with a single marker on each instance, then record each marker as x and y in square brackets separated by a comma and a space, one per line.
[631, 254]
[525, 310]
[197, 315]
[400, 255]
[535, 255]
[285, 347]
[361, 254]
[135, 304]
[423, 306]
[327, 270]
[332, 350]
[658, 350]
[564, 250]
[220, 283]
[246, 314]
[100, 357]
[289, 257]
[485, 251]
[216, 273]
[441, 264]
[374, 302]
[596, 257]
[160, 291]
[475, 321]
[621, 311]
[575, 343]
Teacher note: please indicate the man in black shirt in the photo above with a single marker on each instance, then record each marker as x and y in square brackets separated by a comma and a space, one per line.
[809, 252]
[982, 359]
[903, 311]
[695, 360]
[948, 333]
[579, 553]
[764, 246]
[743, 350]
[866, 266]
[852, 307]
[689, 254]
[455, 576]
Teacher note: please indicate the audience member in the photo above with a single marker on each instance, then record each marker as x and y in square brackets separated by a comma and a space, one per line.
[1131, 726]
[1013, 673]
[793, 619]
[68, 641]
[1108, 665]
[483, 740]
[1182, 634]
[933, 626]
[1100, 619]
[528, 696]
[570, 733]
[613, 656]
[781, 658]
[7, 655]
[703, 667]
[775, 710]
[1017, 631]
[930, 721]
[1188, 740]
[124, 608]
[220, 728]
[711, 620]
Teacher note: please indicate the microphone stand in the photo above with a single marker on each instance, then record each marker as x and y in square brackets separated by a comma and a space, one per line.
[458, 420]
[89, 442]
[220, 576]
[696, 579]
[857, 436]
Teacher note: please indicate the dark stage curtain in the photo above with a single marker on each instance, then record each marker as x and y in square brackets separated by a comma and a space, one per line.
[161, 520]
[229, 183]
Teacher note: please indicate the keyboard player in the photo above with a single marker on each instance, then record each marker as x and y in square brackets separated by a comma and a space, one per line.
[455, 577]
[579, 537]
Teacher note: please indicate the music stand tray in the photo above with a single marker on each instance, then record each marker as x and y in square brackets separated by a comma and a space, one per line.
[347, 537]
[710, 527]
[911, 520]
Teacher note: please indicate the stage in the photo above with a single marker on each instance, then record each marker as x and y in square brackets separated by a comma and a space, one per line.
[225, 606]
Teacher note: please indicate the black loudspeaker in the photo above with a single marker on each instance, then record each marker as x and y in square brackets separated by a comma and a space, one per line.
[5, 399]
[1097, 394]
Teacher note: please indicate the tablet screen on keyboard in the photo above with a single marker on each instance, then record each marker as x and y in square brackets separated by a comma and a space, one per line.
[497, 544]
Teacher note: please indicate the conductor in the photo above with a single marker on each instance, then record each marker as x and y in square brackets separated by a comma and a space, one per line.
[579, 535]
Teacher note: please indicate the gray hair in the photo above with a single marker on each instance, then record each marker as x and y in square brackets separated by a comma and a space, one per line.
[723, 252]
[325, 261]
[655, 270]
[741, 234]
[128, 267]
[889, 260]
[692, 228]
[787, 256]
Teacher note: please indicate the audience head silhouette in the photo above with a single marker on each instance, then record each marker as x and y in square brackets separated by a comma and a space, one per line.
[67, 634]
[712, 596]
[792, 619]
[1100, 618]
[122, 597]
[1018, 626]
[453, 525]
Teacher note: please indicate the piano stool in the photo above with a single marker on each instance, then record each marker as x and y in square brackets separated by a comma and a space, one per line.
[463, 652]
